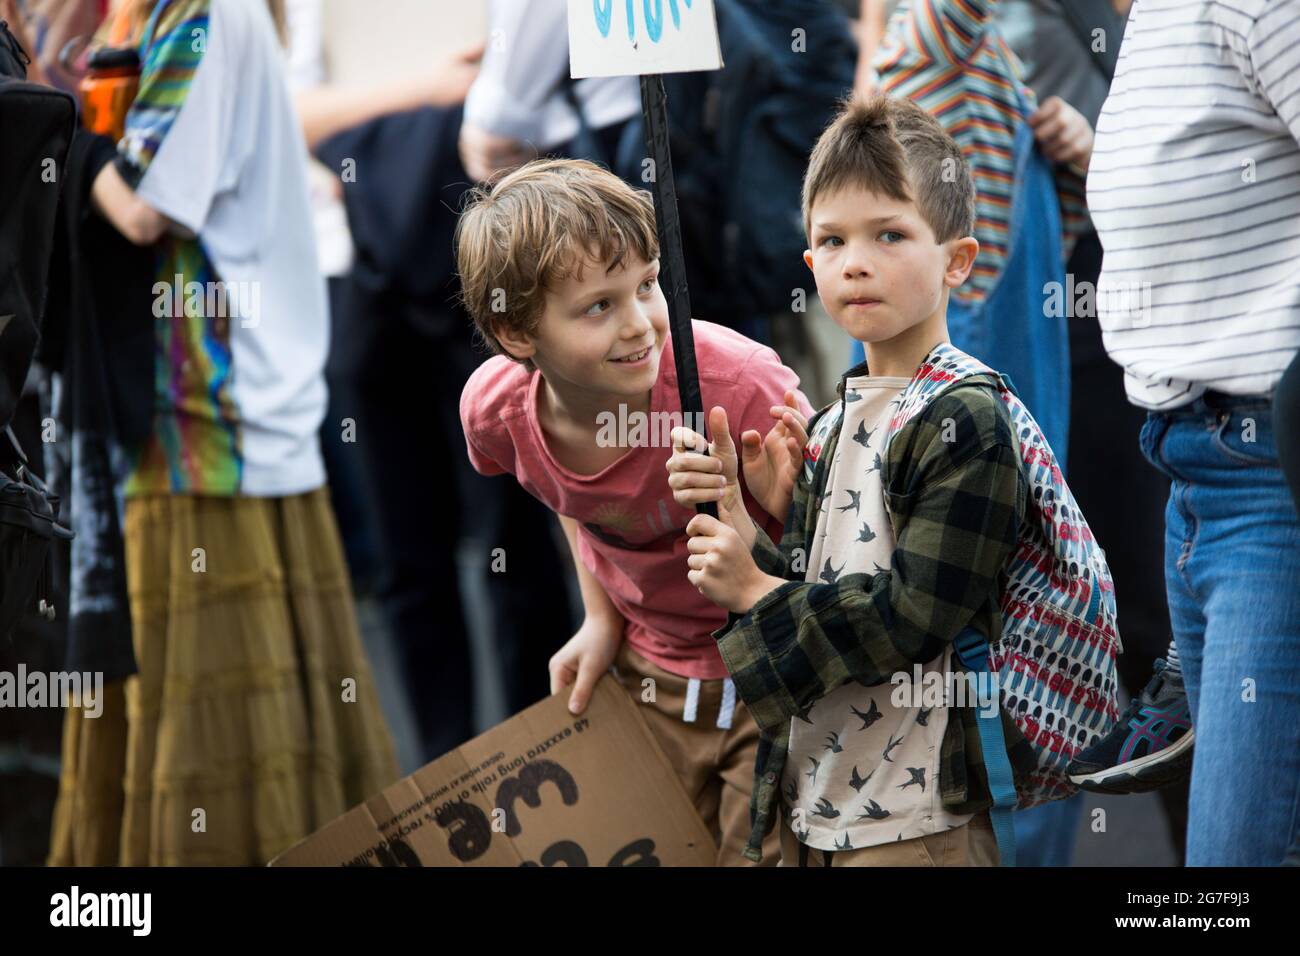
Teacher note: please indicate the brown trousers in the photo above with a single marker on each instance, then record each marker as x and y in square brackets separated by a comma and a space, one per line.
[971, 845]
[710, 739]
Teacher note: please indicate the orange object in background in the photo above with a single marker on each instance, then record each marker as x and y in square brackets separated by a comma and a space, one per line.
[109, 89]
[111, 81]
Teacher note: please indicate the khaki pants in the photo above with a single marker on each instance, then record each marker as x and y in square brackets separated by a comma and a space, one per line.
[971, 845]
[710, 739]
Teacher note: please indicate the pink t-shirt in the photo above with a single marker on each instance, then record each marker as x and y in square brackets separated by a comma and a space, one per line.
[631, 533]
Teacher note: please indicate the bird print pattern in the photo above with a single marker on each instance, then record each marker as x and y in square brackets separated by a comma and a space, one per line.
[870, 717]
[862, 770]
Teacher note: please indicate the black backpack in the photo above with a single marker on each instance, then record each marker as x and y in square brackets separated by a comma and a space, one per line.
[36, 128]
[741, 137]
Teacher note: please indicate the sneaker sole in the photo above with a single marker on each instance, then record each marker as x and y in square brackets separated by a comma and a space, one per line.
[1146, 773]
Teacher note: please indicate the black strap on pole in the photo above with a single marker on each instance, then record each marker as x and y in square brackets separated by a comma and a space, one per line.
[672, 264]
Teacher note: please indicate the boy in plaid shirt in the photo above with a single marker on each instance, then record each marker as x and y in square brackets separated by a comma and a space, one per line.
[889, 551]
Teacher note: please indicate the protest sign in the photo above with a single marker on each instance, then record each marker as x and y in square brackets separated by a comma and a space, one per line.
[544, 788]
[635, 37]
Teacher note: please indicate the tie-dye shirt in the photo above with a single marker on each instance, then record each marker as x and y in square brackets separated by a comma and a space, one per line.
[240, 318]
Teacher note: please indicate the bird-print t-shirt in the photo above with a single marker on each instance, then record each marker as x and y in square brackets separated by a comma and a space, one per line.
[861, 770]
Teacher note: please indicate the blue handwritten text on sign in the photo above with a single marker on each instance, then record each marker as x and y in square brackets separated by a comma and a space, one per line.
[654, 22]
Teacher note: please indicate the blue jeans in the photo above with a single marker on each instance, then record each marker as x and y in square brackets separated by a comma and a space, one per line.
[1232, 572]
[1045, 835]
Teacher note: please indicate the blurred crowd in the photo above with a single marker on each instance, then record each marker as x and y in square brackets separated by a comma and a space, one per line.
[302, 445]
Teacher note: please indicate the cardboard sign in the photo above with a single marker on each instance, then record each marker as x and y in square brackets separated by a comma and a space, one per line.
[632, 37]
[544, 788]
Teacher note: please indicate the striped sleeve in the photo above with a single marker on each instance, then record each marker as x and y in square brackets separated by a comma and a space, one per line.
[1194, 187]
[1274, 54]
[949, 30]
[168, 66]
[1072, 192]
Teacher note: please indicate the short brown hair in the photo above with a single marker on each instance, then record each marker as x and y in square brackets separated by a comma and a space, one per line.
[518, 238]
[891, 146]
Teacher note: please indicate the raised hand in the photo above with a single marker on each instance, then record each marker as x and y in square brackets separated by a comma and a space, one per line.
[771, 463]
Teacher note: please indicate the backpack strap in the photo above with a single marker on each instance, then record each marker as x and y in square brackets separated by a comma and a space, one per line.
[973, 651]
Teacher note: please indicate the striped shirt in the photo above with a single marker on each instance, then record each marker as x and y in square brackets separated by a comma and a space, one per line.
[949, 57]
[1194, 188]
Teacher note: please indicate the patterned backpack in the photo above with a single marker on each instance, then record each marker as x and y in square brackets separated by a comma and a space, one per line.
[1055, 659]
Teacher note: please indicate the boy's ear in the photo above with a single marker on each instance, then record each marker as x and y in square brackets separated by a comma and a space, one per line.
[807, 259]
[515, 342]
[961, 258]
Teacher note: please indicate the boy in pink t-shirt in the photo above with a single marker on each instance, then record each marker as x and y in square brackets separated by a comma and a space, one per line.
[559, 267]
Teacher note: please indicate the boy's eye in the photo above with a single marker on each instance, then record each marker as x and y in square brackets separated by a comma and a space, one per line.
[645, 288]
[597, 307]
[892, 235]
[832, 241]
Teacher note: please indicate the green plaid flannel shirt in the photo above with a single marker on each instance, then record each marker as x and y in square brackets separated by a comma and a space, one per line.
[955, 507]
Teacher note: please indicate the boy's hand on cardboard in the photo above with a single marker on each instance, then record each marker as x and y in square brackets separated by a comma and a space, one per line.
[720, 564]
[584, 658]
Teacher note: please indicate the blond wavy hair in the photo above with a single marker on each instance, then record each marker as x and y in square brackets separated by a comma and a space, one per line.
[537, 226]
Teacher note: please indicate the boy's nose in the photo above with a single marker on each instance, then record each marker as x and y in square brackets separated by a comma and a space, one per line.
[856, 263]
[638, 323]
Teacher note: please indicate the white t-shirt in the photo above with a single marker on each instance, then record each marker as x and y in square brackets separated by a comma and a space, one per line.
[519, 91]
[863, 771]
[1194, 187]
[232, 168]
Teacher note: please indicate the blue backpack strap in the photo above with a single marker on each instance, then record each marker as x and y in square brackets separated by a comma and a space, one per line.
[973, 651]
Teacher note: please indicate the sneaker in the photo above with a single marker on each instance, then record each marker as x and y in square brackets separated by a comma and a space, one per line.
[1149, 746]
